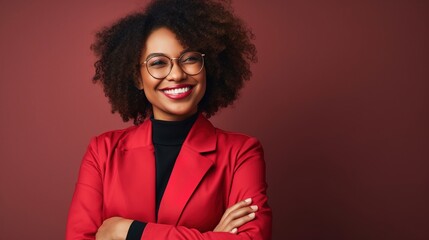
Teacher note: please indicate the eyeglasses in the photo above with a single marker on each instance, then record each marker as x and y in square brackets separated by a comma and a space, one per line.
[159, 66]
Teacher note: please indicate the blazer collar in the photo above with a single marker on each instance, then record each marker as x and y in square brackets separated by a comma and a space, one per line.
[201, 137]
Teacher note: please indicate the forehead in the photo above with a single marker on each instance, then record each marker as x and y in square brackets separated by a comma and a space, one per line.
[162, 40]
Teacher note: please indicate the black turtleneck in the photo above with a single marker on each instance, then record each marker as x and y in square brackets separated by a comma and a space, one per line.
[167, 139]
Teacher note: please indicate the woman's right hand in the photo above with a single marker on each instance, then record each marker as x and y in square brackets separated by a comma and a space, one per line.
[236, 216]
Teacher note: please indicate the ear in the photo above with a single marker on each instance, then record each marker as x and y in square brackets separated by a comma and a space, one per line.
[139, 83]
[139, 86]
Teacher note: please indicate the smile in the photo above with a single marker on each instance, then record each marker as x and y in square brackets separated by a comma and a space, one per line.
[178, 92]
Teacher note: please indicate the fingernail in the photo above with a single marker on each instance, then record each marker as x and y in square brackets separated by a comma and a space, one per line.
[252, 215]
[234, 230]
[249, 200]
[254, 207]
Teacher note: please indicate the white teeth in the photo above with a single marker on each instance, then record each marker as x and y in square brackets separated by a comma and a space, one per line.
[177, 90]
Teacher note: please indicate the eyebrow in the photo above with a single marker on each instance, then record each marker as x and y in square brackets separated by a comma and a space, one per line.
[163, 54]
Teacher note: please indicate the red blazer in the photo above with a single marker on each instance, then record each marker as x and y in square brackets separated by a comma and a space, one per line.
[214, 170]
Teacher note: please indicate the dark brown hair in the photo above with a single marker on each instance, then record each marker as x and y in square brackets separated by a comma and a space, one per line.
[203, 25]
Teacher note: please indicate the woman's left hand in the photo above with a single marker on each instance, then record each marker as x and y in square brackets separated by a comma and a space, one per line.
[114, 228]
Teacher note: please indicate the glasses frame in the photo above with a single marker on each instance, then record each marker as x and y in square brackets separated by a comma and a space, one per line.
[172, 63]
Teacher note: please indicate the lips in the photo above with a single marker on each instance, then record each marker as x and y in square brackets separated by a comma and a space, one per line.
[177, 92]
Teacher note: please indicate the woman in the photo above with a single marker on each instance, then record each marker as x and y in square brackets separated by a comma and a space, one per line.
[172, 175]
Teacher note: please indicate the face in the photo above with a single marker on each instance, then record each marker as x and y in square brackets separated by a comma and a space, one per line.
[176, 96]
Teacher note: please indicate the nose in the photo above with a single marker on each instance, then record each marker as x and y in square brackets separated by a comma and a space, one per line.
[176, 73]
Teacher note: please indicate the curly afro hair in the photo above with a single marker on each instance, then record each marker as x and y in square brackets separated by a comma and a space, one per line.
[206, 25]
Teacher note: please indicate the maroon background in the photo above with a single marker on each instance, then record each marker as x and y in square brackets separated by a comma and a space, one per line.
[339, 99]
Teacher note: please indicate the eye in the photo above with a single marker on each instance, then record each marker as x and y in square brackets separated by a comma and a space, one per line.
[190, 58]
[158, 62]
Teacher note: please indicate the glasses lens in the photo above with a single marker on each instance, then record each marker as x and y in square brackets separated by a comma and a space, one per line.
[159, 66]
[191, 62]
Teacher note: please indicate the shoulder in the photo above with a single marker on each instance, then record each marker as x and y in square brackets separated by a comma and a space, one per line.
[110, 140]
[239, 151]
[238, 141]
[234, 136]
[115, 135]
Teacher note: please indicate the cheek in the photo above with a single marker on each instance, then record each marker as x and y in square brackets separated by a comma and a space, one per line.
[147, 82]
[148, 87]
[150, 95]
[148, 90]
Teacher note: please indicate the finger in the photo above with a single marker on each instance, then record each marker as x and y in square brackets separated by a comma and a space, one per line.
[241, 212]
[236, 223]
[230, 221]
[236, 206]
[222, 226]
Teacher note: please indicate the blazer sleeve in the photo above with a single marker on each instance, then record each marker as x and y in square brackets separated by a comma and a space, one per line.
[248, 181]
[85, 214]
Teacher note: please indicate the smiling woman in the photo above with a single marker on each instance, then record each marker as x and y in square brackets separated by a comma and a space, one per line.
[173, 175]
[174, 90]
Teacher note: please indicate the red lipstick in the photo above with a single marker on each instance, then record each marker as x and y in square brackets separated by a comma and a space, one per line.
[177, 92]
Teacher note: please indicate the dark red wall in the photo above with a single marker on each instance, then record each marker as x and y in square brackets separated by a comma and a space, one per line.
[339, 99]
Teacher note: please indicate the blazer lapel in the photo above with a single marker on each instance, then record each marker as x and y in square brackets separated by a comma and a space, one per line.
[138, 172]
[190, 167]
[137, 179]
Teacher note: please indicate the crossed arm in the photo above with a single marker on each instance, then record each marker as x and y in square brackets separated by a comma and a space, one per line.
[116, 228]
[243, 219]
